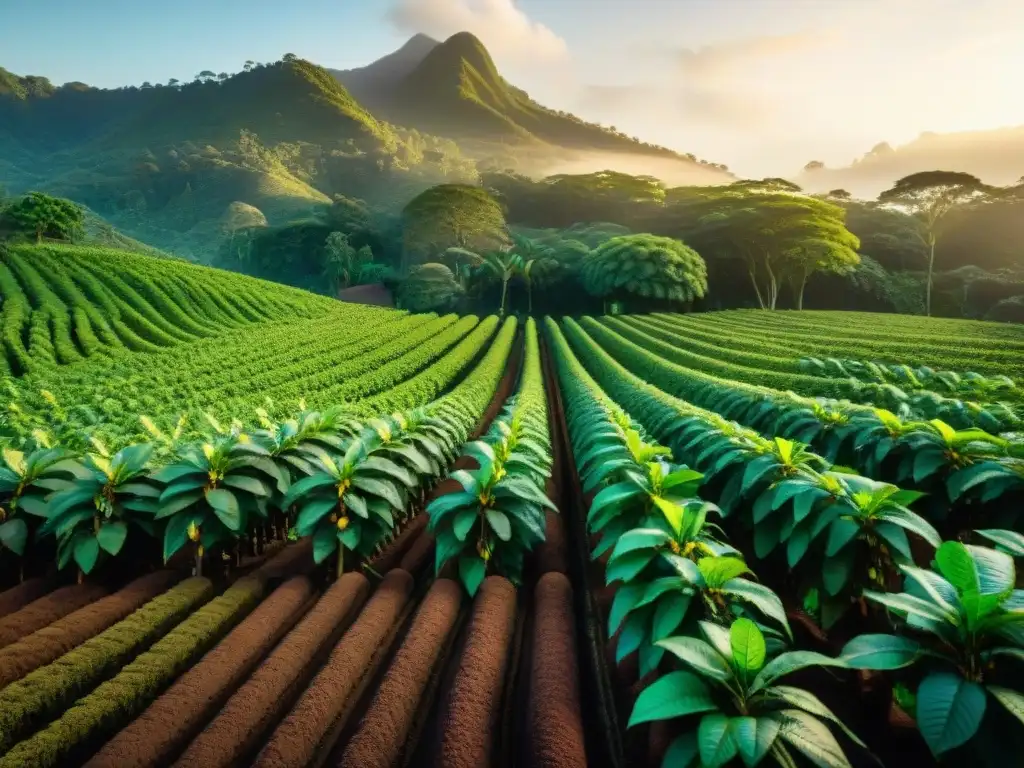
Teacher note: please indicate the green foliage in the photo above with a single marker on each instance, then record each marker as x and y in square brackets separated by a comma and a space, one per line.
[499, 515]
[968, 617]
[89, 515]
[931, 196]
[730, 681]
[447, 216]
[38, 215]
[646, 266]
[429, 287]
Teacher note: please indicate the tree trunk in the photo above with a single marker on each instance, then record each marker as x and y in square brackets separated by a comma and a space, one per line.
[773, 286]
[757, 290]
[928, 289]
[800, 292]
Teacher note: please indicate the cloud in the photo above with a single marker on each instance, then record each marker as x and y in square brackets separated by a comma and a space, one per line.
[682, 104]
[735, 56]
[508, 33]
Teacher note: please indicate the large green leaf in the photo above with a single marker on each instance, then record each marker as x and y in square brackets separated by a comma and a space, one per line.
[880, 652]
[325, 541]
[761, 597]
[442, 505]
[248, 484]
[957, 566]
[87, 551]
[787, 663]
[949, 710]
[808, 702]
[384, 489]
[754, 736]
[225, 506]
[301, 487]
[813, 738]
[715, 741]
[111, 536]
[499, 523]
[748, 646]
[669, 614]
[14, 534]
[672, 695]
[698, 655]
[311, 513]
[472, 570]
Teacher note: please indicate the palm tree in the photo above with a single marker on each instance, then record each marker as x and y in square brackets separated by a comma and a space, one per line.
[529, 252]
[504, 265]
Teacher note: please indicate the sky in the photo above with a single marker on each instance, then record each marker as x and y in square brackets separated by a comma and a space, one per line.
[762, 85]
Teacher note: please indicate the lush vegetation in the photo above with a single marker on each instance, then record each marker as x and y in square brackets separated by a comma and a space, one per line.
[771, 534]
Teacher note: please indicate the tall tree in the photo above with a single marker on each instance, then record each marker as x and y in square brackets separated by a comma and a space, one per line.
[447, 216]
[930, 196]
[766, 231]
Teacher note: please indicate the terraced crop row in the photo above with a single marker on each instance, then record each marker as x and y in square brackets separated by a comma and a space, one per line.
[990, 348]
[786, 374]
[62, 305]
[686, 608]
[253, 674]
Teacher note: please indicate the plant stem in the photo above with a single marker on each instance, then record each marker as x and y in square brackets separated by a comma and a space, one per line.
[341, 560]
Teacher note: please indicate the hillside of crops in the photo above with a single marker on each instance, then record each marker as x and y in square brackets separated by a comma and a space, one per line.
[64, 304]
[292, 531]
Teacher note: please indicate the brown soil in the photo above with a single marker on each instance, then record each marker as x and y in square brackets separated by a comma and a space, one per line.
[236, 732]
[607, 708]
[419, 555]
[384, 730]
[472, 708]
[555, 719]
[295, 559]
[16, 598]
[159, 733]
[299, 736]
[53, 641]
[374, 294]
[551, 554]
[48, 609]
[395, 551]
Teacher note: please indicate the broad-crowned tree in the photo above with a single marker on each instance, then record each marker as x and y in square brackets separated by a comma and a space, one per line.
[39, 215]
[930, 196]
[429, 287]
[451, 215]
[646, 265]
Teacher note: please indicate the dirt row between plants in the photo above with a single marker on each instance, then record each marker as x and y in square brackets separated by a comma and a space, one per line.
[50, 643]
[237, 731]
[554, 721]
[606, 708]
[472, 706]
[47, 609]
[17, 597]
[167, 725]
[301, 736]
[383, 733]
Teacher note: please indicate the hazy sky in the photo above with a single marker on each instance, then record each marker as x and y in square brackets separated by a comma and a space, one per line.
[762, 85]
